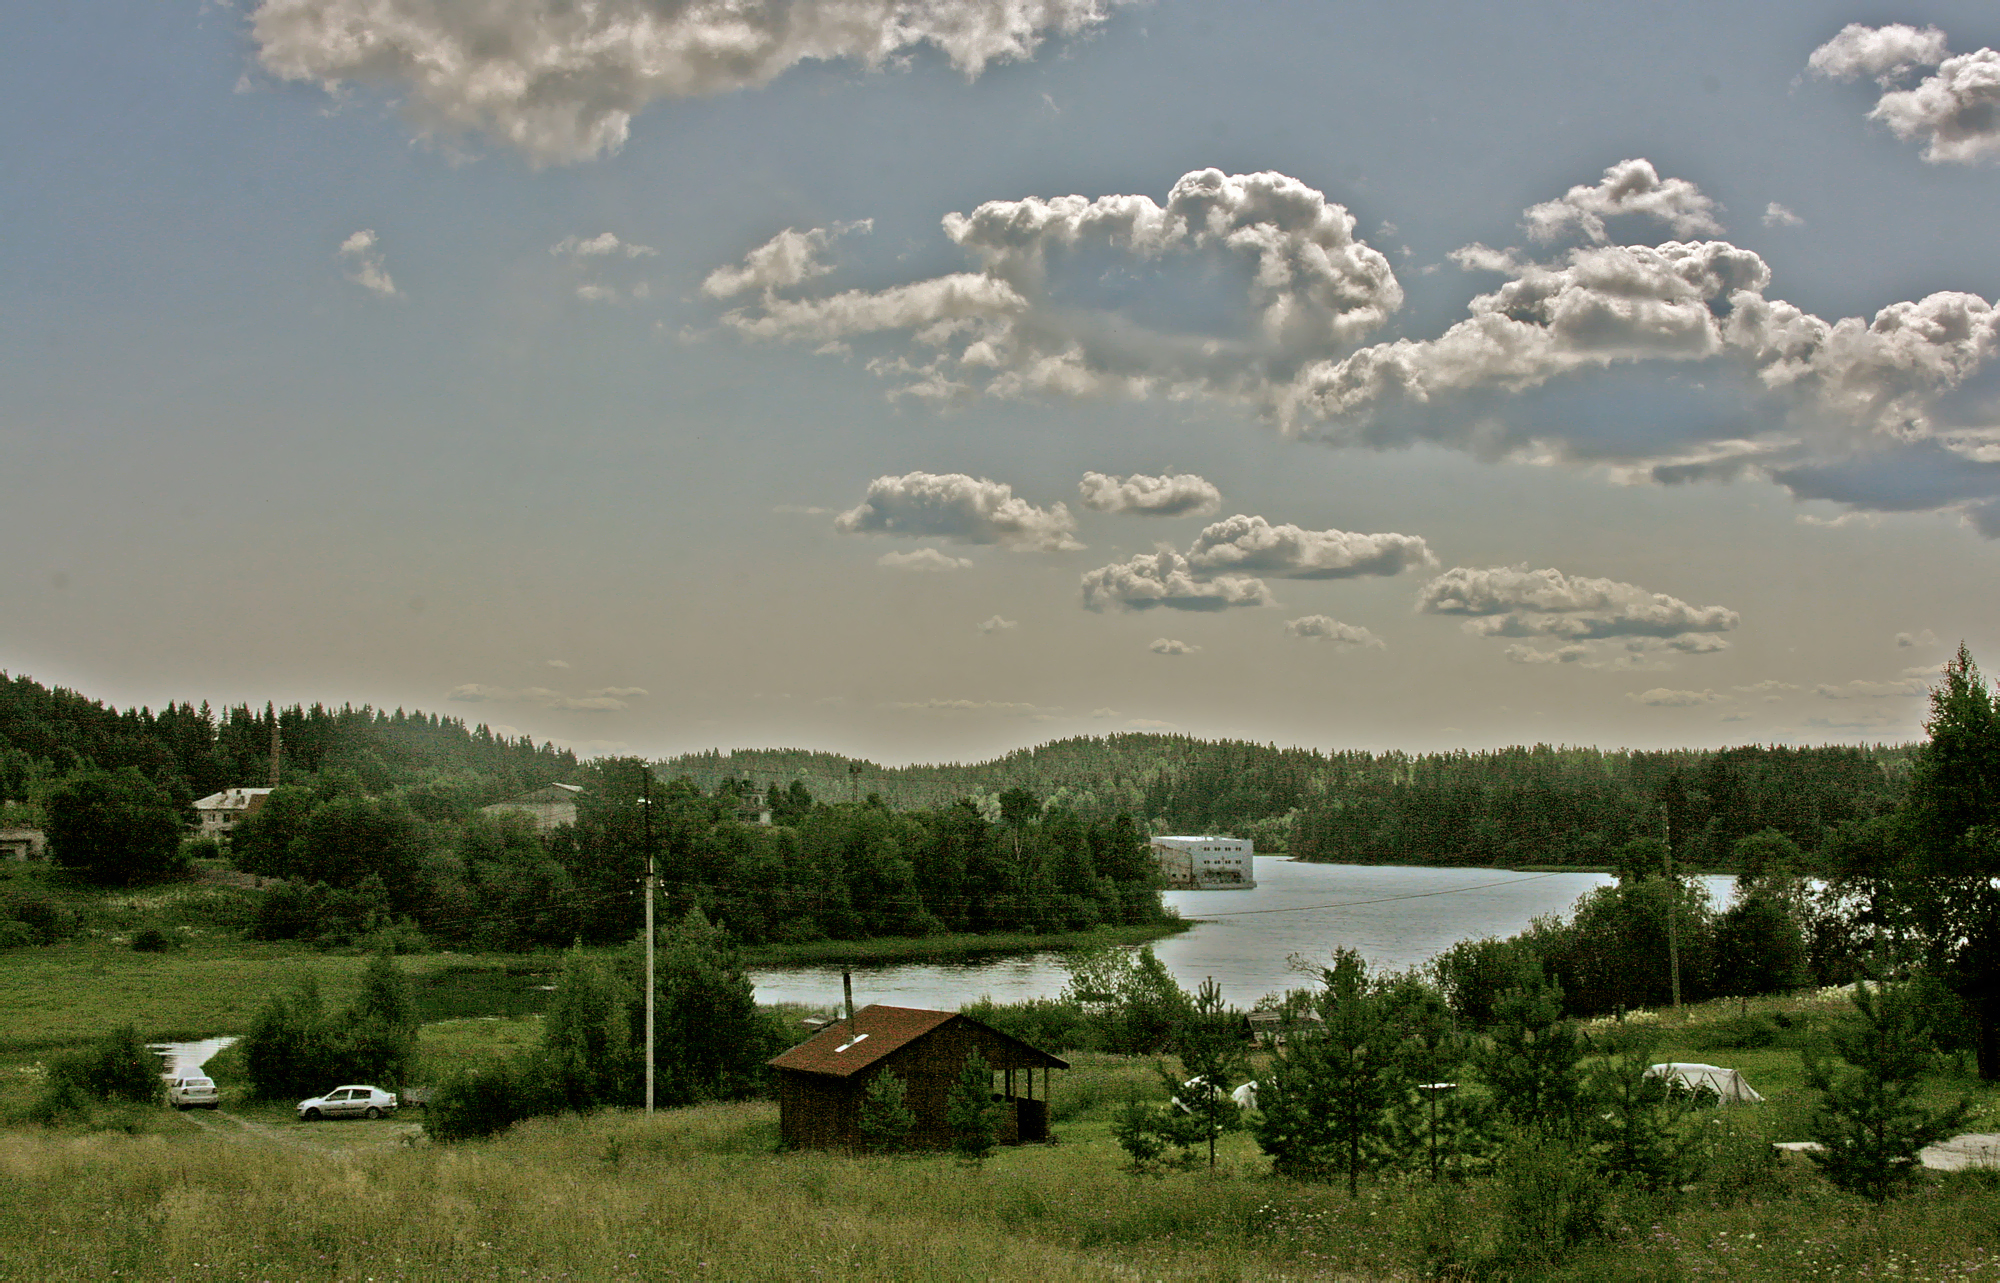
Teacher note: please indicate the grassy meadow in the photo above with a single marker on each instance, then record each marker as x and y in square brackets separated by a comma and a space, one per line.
[250, 1193]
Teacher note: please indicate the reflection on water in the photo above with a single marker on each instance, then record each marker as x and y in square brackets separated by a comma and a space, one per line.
[185, 1059]
[1395, 917]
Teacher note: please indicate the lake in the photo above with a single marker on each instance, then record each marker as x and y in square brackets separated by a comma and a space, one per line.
[1395, 917]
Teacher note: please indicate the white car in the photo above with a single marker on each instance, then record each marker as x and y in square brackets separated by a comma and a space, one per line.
[352, 1101]
[192, 1092]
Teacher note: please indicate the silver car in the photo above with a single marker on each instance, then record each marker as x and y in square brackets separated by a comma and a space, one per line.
[352, 1101]
[191, 1091]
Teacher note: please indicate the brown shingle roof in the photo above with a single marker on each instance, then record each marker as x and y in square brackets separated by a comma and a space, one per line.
[844, 1047]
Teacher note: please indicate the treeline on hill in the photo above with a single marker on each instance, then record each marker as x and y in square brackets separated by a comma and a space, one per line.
[1569, 806]
[1539, 805]
[48, 734]
[1172, 783]
[378, 871]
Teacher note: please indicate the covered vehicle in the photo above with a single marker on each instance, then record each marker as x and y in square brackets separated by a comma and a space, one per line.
[1727, 1084]
[191, 1091]
[350, 1101]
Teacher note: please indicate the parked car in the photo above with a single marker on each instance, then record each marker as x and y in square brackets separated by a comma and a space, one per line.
[351, 1101]
[192, 1092]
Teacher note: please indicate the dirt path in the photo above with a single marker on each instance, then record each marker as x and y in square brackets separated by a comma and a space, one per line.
[345, 1137]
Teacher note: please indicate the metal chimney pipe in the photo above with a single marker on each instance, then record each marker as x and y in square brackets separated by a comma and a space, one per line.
[847, 992]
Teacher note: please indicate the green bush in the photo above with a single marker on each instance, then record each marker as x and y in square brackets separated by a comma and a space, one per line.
[475, 1103]
[153, 940]
[117, 1067]
[42, 914]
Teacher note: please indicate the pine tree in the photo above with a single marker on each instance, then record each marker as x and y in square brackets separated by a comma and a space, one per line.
[1210, 1041]
[1325, 1099]
[1869, 1126]
[969, 1112]
[885, 1122]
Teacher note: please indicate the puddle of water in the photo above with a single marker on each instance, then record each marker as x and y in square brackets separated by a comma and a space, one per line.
[185, 1059]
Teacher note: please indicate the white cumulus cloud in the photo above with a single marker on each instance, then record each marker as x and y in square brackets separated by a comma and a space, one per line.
[1179, 494]
[1776, 215]
[1514, 601]
[998, 624]
[1165, 578]
[1922, 637]
[560, 81]
[1661, 697]
[1954, 111]
[1886, 53]
[923, 559]
[1290, 552]
[789, 258]
[1326, 629]
[1012, 327]
[971, 510]
[366, 267]
[1169, 646]
[1629, 187]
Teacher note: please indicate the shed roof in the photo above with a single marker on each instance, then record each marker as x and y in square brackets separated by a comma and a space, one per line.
[844, 1047]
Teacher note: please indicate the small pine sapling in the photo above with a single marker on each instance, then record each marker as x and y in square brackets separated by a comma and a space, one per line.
[885, 1122]
[969, 1112]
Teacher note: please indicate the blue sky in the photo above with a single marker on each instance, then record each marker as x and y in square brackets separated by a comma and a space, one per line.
[1407, 376]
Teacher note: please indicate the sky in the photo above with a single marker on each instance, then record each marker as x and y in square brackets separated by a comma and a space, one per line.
[924, 379]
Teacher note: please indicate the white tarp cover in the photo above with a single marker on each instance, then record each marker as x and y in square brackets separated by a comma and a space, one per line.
[1725, 1083]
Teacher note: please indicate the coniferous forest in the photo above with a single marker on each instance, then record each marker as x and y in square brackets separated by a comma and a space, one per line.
[376, 833]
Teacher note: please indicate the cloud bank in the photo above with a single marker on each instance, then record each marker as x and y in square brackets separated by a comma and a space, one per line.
[1879, 413]
[559, 82]
[602, 700]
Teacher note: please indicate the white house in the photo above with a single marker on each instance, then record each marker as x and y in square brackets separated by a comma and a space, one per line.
[552, 805]
[218, 813]
[1206, 863]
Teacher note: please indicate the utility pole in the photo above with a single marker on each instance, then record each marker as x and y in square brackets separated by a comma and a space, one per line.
[646, 805]
[1673, 894]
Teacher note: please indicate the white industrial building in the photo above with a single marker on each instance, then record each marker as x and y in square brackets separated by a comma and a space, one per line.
[1206, 863]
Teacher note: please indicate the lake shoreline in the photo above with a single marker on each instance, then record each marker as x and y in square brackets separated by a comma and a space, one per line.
[959, 946]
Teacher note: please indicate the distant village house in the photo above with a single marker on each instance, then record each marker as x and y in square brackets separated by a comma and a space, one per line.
[822, 1081]
[1206, 863]
[551, 806]
[219, 813]
[22, 844]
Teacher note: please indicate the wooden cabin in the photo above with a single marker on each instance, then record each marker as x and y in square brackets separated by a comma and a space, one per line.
[822, 1081]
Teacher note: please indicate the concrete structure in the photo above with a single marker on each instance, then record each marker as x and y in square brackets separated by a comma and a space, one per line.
[1206, 863]
[23, 844]
[823, 1080]
[552, 805]
[219, 813]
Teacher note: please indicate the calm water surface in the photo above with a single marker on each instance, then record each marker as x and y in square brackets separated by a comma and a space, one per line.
[1395, 917]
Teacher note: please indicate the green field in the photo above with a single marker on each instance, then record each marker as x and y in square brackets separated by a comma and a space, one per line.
[703, 1193]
